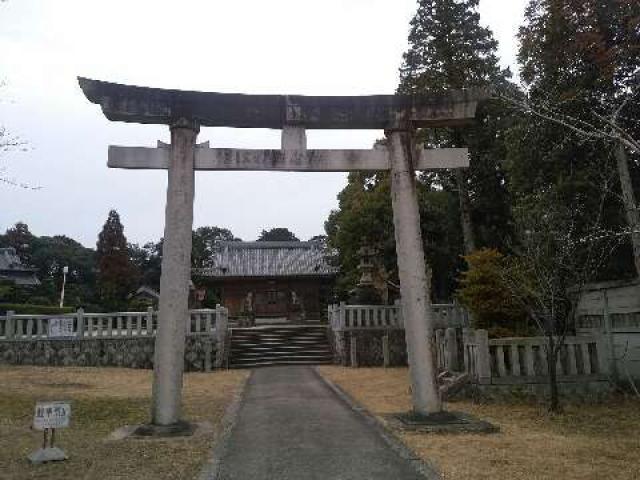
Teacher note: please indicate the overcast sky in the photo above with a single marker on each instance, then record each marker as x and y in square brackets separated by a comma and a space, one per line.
[328, 47]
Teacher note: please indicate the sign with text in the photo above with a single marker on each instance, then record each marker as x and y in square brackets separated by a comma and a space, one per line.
[61, 327]
[51, 415]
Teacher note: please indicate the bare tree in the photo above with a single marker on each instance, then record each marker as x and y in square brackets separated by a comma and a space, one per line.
[560, 249]
[600, 124]
[8, 143]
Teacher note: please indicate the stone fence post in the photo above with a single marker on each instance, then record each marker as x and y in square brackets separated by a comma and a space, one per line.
[150, 321]
[222, 321]
[9, 325]
[80, 323]
[605, 357]
[353, 344]
[451, 349]
[483, 359]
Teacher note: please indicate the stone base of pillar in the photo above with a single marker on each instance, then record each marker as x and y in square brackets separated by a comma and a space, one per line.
[178, 429]
[441, 422]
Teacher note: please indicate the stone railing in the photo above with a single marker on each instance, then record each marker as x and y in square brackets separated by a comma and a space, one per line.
[107, 325]
[524, 360]
[124, 339]
[345, 317]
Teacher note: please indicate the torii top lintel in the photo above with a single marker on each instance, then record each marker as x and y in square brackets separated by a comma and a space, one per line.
[135, 104]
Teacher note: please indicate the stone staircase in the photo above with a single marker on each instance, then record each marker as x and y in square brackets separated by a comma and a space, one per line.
[279, 345]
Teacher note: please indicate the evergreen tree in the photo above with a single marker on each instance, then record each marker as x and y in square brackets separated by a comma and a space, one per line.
[116, 275]
[20, 238]
[364, 217]
[580, 62]
[277, 234]
[204, 244]
[449, 49]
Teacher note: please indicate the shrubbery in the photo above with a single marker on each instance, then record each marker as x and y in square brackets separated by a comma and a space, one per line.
[483, 292]
[30, 309]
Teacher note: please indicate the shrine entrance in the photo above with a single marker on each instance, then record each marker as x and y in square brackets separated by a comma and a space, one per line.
[185, 111]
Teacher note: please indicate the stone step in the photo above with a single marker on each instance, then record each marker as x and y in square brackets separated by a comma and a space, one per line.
[277, 341]
[283, 348]
[278, 334]
[280, 353]
[278, 345]
[284, 358]
[271, 363]
[309, 326]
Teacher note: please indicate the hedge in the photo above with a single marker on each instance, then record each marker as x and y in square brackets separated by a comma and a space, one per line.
[28, 309]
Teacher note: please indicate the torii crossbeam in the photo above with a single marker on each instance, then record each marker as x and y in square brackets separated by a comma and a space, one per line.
[186, 111]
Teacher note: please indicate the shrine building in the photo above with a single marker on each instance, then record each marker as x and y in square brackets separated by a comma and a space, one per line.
[271, 282]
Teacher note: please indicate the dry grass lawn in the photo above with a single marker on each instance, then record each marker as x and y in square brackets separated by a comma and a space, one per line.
[104, 399]
[587, 442]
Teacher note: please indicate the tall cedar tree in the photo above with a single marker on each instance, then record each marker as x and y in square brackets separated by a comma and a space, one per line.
[580, 57]
[116, 275]
[449, 49]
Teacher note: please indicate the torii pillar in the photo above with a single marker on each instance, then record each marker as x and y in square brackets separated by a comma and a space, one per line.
[168, 363]
[412, 270]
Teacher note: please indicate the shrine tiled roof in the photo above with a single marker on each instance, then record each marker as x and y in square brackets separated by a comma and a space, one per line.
[269, 259]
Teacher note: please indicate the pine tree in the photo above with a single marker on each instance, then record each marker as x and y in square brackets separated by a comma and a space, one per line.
[449, 49]
[116, 274]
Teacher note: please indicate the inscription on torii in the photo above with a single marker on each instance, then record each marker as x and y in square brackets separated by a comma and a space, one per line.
[186, 111]
[293, 157]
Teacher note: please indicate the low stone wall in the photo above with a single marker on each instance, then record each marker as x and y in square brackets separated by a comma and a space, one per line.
[585, 391]
[369, 348]
[128, 352]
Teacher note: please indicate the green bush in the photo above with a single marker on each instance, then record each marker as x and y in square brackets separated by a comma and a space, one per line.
[483, 292]
[29, 309]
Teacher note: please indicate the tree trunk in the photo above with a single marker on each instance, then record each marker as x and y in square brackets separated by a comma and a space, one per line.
[465, 212]
[552, 359]
[629, 201]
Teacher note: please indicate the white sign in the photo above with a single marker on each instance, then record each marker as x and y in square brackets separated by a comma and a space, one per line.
[61, 327]
[51, 415]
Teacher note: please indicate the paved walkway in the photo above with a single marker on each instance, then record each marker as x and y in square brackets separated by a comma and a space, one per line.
[291, 425]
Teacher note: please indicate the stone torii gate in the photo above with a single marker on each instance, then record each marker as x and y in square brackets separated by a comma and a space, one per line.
[185, 111]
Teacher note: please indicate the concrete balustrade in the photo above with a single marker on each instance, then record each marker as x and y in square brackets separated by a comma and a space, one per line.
[109, 325]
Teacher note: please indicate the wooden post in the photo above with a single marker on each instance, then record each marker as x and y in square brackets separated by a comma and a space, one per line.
[483, 360]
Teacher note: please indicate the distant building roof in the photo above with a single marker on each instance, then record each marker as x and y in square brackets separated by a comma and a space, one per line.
[145, 291]
[12, 268]
[268, 259]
